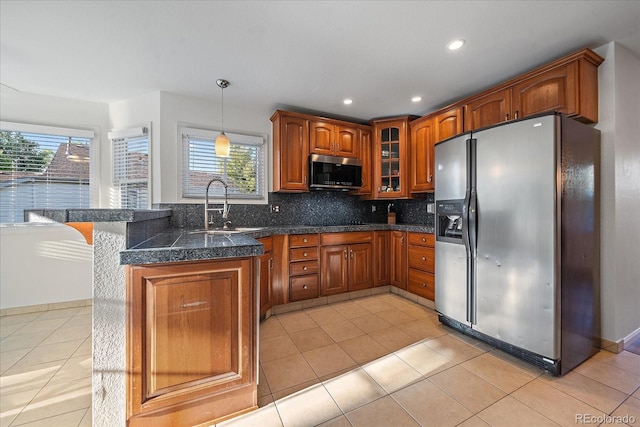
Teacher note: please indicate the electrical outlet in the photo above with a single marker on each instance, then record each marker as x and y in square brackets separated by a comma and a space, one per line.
[275, 208]
[431, 207]
[373, 208]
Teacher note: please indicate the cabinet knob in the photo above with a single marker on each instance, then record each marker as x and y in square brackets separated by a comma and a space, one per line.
[424, 285]
[430, 178]
[516, 115]
[424, 258]
[305, 287]
[305, 240]
[506, 117]
[424, 239]
[351, 254]
[305, 268]
[304, 254]
[345, 254]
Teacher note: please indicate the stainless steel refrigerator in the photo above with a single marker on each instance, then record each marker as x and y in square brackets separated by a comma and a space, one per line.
[517, 238]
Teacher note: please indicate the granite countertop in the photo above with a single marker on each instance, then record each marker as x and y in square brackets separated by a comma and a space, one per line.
[176, 245]
[94, 215]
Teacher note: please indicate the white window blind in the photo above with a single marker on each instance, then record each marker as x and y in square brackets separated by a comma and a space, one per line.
[43, 170]
[243, 170]
[130, 170]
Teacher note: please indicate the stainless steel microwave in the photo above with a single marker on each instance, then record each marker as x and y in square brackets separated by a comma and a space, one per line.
[334, 173]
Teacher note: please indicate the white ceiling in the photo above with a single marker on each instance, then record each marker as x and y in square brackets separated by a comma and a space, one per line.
[307, 55]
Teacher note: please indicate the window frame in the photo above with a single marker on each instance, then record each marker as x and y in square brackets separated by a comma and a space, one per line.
[90, 133]
[184, 129]
[131, 133]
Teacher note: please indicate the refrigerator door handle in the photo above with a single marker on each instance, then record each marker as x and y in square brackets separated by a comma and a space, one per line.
[469, 229]
[472, 260]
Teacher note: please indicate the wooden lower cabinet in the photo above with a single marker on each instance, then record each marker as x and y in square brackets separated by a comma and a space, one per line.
[345, 268]
[191, 342]
[345, 262]
[334, 270]
[421, 263]
[381, 258]
[303, 267]
[398, 251]
[266, 276]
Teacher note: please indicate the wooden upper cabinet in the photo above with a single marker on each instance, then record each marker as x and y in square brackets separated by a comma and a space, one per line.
[448, 124]
[422, 153]
[554, 90]
[347, 141]
[568, 85]
[389, 158]
[290, 152]
[488, 110]
[332, 139]
[364, 139]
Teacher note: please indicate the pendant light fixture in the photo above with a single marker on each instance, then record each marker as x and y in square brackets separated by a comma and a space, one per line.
[223, 146]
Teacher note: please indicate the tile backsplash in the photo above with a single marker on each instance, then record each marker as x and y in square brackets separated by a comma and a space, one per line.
[313, 208]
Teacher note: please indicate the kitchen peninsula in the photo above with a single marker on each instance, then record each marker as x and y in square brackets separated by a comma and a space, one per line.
[150, 280]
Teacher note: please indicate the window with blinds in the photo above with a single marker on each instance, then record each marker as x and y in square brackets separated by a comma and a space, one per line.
[43, 170]
[243, 170]
[130, 169]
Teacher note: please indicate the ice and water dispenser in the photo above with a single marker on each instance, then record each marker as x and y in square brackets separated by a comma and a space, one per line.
[449, 221]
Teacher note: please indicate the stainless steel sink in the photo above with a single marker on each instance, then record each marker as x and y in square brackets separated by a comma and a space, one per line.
[223, 231]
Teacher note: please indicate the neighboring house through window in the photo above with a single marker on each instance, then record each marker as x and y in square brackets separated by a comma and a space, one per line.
[243, 170]
[43, 167]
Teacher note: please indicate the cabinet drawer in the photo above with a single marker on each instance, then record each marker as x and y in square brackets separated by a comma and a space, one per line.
[304, 287]
[301, 240]
[306, 267]
[421, 283]
[347, 238]
[303, 254]
[421, 258]
[422, 239]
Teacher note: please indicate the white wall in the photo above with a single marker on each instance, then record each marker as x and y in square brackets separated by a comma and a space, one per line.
[165, 111]
[619, 122]
[43, 264]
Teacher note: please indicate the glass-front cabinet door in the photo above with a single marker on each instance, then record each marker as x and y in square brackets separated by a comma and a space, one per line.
[390, 158]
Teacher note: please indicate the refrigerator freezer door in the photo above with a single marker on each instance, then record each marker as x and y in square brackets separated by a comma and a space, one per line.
[516, 202]
[451, 258]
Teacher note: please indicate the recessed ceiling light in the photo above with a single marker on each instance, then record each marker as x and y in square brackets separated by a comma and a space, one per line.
[416, 99]
[347, 101]
[456, 44]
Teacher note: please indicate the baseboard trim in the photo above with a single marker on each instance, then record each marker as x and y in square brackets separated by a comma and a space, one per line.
[44, 307]
[633, 336]
[346, 296]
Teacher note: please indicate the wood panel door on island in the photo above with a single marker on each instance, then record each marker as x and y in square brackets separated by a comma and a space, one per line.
[191, 340]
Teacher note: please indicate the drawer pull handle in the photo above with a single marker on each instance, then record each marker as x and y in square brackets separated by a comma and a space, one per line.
[305, 268]
[305, 240]
[304, 254]
[424, 285]
[424, 258]
[424, 239]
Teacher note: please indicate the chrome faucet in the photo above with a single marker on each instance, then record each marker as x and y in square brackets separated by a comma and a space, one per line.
[224, 210]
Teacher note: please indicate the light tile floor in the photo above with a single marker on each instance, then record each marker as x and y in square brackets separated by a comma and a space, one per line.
[45, 368]
[375, 361]
[386, 361]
